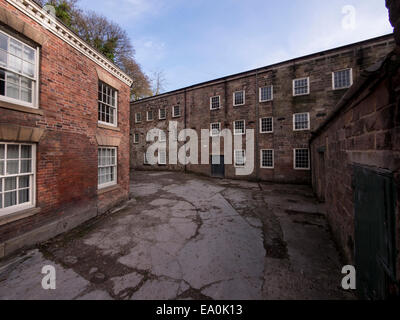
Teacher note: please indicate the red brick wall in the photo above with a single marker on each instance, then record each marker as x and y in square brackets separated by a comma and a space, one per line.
[67, 153]
[366, 132]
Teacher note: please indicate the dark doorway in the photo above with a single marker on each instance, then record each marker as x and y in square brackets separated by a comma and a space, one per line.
[321, 174]
[375, 246]
[217, 166]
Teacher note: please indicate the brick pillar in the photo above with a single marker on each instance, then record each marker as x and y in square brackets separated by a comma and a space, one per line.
[394, 17]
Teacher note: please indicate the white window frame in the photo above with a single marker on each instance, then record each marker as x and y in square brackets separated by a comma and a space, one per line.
[35, 80]
[136, 141]
[272, 93]
[211, 102]
[308, 120]
[308, 87]
[244, 158]
[173, 111]
[272, 119]
[244, 98]
[136, 117]
[32, 180]
[333, 79]
[159, 157]
[261, 159]
[147, 115]
[115, 181]
[165, 114]
[294, 159]
[219, 129]
[244, 128]
[115, 123]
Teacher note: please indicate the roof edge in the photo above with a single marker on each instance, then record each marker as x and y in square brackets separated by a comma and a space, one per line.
[365, 79]
[52, 24]
[244, 73]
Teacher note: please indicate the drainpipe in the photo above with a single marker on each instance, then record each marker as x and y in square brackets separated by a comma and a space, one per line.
[257, 147]
[185, 121]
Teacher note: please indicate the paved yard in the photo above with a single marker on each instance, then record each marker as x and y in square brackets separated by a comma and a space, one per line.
[188, 237]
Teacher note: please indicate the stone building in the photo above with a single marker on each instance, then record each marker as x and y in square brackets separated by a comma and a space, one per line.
[283, 103]
[64, 128]
[356, 171]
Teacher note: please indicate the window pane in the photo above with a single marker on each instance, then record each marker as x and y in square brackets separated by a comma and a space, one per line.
[12, 85]
[23, 196]
[12, 151]
[12, 166]
[10, 199]
[3, 42]
[26, 95]
[28, 69]
[12, 91]
[301, 121]
[29, 54]
[23, 182]
[342, 79]
[3, 58]
[26, 83]
[10, 184]
[26, 152]
[16, 48]
[107, 100]
[26, 166]
[2, 83]
[2, 150]
[14, 63]
[267, 158]
[1, 167]
[301, 159]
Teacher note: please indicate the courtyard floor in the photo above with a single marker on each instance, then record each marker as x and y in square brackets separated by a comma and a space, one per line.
[188, 237]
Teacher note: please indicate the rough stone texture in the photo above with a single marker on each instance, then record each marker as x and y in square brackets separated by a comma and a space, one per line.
[196, 114]
[365, 132]
[66, 176]
[186, 237]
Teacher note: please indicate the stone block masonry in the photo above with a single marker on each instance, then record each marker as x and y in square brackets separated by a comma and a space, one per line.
[364, 133]
[195, 111]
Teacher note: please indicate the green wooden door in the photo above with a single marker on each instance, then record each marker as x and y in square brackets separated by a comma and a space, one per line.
[375, 253]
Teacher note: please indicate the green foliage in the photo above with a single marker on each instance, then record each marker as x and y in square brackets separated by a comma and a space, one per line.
[63, 11]
[106, 47]
[105, 36]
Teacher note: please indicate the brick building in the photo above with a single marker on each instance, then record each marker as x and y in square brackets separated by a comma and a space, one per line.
[356, 170]
[283, 103]
[64, 128]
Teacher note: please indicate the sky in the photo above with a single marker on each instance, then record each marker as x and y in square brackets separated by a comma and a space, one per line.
[192, 41]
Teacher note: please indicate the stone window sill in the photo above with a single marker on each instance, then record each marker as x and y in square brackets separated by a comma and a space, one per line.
[108, 189]
[15, 107]
[18, 215]
[104, 126]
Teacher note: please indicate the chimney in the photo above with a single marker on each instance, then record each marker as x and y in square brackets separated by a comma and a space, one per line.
[394, 17]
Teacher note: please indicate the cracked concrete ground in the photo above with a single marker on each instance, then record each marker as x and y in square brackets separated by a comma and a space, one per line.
[188, 237]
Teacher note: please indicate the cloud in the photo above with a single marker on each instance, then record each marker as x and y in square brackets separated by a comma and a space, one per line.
[192, 45]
